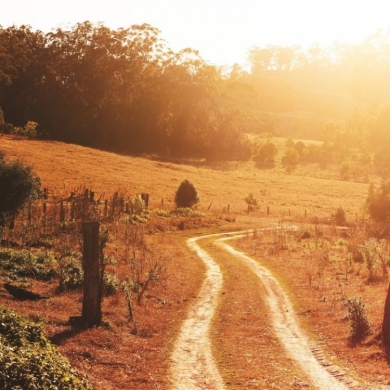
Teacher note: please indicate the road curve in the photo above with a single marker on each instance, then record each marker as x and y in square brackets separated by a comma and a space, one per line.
[286, 325]
[193, 366]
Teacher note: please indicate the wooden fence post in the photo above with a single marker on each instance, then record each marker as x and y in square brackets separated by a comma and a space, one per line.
[93, 281]
[62, 213]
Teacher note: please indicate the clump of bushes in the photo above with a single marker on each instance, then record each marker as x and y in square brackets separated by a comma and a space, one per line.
[71, 273]
[72, 277]
[16, 264]
[29, 361]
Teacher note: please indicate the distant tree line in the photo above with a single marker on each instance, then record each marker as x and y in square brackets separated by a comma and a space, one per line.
[124, 90]
[121, 90]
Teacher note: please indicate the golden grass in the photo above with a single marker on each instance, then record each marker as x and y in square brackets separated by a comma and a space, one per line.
[63, 167]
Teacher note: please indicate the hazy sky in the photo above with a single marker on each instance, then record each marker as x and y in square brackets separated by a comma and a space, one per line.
[222, 30]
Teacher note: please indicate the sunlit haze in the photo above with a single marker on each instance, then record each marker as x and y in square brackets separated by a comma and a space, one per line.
[222, 30]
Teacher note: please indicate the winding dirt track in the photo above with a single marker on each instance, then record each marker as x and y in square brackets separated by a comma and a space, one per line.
[193, 366]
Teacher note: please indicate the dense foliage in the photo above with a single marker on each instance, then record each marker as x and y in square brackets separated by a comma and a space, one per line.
[18, 185]
[23, 263]
[122, 90]
[29, 361]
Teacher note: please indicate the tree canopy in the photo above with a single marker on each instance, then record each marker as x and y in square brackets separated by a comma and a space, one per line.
[124, 90]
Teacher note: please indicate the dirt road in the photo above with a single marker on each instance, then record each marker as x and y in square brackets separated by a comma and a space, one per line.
[193, 366]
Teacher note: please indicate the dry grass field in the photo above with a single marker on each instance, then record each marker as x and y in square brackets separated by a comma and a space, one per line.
[314, 270]
[63, 167]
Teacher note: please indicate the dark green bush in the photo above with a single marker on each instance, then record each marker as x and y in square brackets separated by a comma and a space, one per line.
[186, 195]
[40, 265]
[18, 185]
[29, 361]
[110, 284]
[71, 274]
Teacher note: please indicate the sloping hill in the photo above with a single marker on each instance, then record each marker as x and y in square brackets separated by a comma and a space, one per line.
[63, 167]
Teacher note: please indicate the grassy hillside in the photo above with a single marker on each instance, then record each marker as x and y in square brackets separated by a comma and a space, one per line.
[62, 167]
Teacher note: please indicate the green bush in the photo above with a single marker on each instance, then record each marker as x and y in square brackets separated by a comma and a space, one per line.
[18, 185]
[266, 153]
[40, 265]
[72, 277]
[29, 361]
[360, 327]
[186, 195]
[71, 274]
[110, 284]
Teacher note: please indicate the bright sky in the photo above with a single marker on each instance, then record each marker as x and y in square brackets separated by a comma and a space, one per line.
[222, 30]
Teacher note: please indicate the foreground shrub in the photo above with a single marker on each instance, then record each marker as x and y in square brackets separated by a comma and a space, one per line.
[360, 327]
[18, 185]
[71, 274]
[110, 284]
[40, 265]
[29, 361]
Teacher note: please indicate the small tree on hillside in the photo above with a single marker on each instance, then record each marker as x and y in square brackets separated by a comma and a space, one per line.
[18, 185]
[186, 195]
[378, 202]
[266, 153]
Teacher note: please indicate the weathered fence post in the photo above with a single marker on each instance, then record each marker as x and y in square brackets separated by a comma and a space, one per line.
[62, 213]
[72, 210]
[93, 289]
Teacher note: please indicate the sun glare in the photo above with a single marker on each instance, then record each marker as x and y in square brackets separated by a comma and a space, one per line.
[223, 31]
